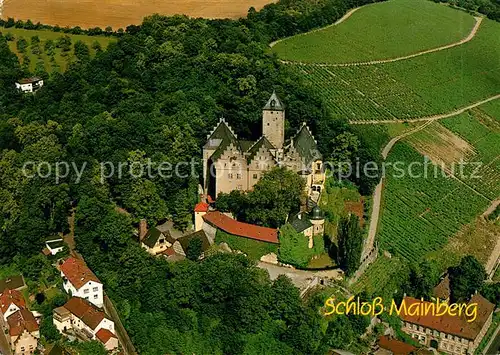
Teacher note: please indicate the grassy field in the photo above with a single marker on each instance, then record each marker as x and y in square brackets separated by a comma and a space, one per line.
[434, 83]
[253, 248]
[61, 59]
[380, 31]
[420, 213]
[96, 13]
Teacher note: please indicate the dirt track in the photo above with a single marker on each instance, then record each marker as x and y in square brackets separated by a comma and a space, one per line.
[121, 13]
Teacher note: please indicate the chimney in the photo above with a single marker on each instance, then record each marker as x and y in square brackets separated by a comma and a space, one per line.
[143, 229]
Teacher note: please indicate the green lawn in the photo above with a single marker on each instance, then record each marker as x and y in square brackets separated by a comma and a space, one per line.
[253, 248]
[384, 30]
[62, 60]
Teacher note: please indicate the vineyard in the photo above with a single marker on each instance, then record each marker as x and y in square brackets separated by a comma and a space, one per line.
[431, 84]
[381, 278]
[420, 214]
[379, 31]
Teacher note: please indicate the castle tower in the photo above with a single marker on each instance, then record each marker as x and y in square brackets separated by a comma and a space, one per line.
[273, 121]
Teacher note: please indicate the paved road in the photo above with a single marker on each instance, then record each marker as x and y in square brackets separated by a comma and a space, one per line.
[4, 344]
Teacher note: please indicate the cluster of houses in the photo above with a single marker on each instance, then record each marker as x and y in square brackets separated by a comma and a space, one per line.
[20, 325]
[82, 317]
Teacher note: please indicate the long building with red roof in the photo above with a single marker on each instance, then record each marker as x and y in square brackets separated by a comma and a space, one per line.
[80, 281]
[450, 334]
[218, 220]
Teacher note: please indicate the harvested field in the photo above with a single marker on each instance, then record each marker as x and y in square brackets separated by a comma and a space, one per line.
[120, 13]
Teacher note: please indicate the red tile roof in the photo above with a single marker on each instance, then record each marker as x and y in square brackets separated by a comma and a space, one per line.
[77, 272]
[86, 311]
[104, 335]
[394, 345]
[11, 296]
[20, 321]
[169, 251]
[201, 207]
[453, 324]
[241, 229]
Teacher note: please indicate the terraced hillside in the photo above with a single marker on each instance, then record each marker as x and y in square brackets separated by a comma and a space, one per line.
[386, 30]
[430, 84]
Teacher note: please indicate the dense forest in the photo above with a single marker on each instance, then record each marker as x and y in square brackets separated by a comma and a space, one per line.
[153, 96]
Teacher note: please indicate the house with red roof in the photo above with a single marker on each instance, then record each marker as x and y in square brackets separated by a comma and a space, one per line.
[84, 319]
[11, 301]
[80, 281]
[23, 331]
[108, 339]
[449, 334]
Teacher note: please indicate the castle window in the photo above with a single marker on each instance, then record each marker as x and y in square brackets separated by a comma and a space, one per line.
[238, 176]
[255, 176]
[229, 176]
[268, 123]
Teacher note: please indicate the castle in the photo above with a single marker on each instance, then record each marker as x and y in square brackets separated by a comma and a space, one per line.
[231, 164]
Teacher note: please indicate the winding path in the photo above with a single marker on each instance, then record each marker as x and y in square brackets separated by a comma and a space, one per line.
[430, 118]
[471, 35]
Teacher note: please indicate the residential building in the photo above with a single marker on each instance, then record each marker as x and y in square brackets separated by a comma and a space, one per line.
[442, 290]
[11, 301]
[29, 85]
[23, 331]
[54, 245]
[216, 220]
[108, 339]
[80, 281]
[231, 164]
[181, 245]
[156, 242]
[12, 283]
[449, 334]
[84, 319]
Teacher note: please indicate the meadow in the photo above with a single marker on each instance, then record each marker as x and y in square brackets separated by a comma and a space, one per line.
[380, 31]
[431, 84]
[61, 58]
[419, 214]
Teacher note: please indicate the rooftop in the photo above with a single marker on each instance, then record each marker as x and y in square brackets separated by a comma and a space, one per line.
[84, 310]
[154, 234]
[394, 345]
[232, 226]
[11, 283]
[454, 325]
[274, 103]
[9, 297]
[77, 272]
[29, 80]
[201, 207]
[104, 335]
[442, 290]
[20, 321]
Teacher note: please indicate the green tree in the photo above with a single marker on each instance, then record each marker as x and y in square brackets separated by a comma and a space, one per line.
[82, 51]
[422, 279]
[21, 45]
[64, 42]
[466, 278]
[294, 247]
[194, 249]
[350, 241]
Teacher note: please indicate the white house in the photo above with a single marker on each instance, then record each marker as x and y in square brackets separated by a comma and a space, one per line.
[85, 319]
[80, 281]
[54, 245]
[29, 84]
[11, 301]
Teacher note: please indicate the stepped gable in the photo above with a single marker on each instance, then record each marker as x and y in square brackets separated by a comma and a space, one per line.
[263, 142]
[20, 321]
[221, 138]
[305, 144]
